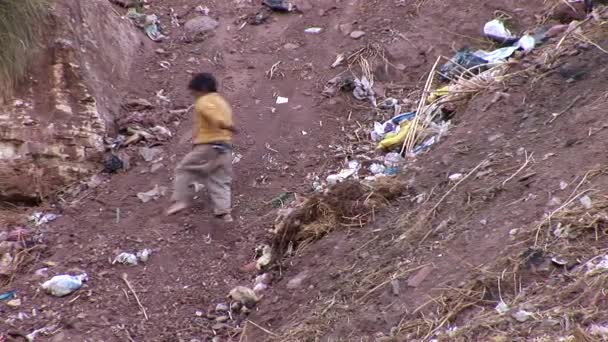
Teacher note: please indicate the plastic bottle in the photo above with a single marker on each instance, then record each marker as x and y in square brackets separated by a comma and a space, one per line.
[393, 163]
[63, 285]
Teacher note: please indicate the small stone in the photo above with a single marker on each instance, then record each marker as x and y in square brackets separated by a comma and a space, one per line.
[513, 231]
[357, 34]
[222, 319]
[201, 24]
[420, 276]
[346, 29]
[199, 313]
[290, 46]
[155, 167]
[395, 287]
[297, 281]
[219, 326]
[221, 307]
[216, 339]
[13, 303]
[149, 154]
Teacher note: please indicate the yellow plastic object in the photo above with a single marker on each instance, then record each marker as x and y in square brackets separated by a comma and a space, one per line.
[393, 139]
[443, 91]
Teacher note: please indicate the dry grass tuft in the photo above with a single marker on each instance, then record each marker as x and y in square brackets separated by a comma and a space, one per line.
[345, 205]
[20, 30]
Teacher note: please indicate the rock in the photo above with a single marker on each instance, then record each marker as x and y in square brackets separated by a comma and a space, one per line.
[357, 34]
[290, 46]
[298, 280]
[222, 319]
[220, 326]
[221, 307]
[155, 167]
[13, 303]
[150, 154]
[420, 276]
[303, 5]
[244, 295]
[396, 289]
[345, 29]
[137, 104]
[201, 24]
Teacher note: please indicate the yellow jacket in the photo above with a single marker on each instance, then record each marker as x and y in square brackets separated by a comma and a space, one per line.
[212, 115]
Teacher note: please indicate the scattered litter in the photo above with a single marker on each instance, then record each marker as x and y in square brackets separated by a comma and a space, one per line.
[357, 34]
[563, 185]
[393, 162]
[125, 259]
[522, 315]
[376, 168]
[144, 255]
[313, 30]
[264, 278]
[497, 31]
[8, 295]
[112, 164]
[455, 177]
[282, 100]
[599, 331]
[153, 194]
[598, 267]
[282, 199]
[395, 139]
[221, 307]
[46, 331]
[559, 261]
[363, 90]
[260, 288]
[264, 253]
[150, 154]
[63, 285]
[244, 295]
[236, 158]
[586, 202]
[463, 60]
[131, 258]
[149, 23]
[41, 218]
[279, 5]
[339, 59]
[353, 169]
[502, 308]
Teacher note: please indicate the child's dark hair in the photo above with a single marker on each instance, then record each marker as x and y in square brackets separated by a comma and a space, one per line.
[203, 82]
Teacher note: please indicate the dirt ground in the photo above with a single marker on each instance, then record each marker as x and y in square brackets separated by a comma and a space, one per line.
[355, 283]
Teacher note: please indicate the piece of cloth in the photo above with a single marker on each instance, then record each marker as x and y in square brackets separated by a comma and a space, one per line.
[211, 166]
[212, 115]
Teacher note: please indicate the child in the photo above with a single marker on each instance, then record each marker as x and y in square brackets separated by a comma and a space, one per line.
[210, 161]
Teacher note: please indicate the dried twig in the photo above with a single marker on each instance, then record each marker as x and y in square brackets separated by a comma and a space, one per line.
[528, 158]
[141, 307]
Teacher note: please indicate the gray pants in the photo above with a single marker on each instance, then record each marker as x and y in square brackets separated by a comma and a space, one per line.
[208, 165]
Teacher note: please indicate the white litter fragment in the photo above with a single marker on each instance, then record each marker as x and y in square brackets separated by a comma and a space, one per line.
[40, 218]
[282, 100]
